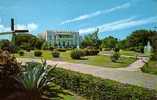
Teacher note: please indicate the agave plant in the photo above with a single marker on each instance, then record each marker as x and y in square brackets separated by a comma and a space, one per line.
[37, 81]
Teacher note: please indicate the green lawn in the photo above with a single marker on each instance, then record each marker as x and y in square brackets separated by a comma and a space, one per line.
[100, 60]
[151, 67]
[129, 53]
[46, 55]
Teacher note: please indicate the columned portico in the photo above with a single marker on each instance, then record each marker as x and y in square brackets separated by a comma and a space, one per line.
[62, 39]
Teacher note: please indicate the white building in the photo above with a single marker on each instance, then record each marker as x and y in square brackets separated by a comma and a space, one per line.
[62, 39]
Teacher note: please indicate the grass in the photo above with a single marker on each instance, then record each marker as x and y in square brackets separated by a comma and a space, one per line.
[151, 67]
[129, 53]
[72, 97]
[100, 60]
[46, 54]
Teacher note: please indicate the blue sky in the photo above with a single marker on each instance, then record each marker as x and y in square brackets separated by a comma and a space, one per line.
[113, 17]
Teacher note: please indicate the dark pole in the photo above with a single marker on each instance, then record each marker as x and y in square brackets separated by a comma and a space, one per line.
[13, 30]
[12, 24]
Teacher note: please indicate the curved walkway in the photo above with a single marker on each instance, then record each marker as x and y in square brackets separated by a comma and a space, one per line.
[130, 75]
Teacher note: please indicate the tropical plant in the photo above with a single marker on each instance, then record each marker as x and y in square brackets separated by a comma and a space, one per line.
[37, 81]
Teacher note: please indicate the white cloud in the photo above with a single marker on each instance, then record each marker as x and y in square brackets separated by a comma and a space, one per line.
[4, 29]
[121, 24]
[31, 27]
[87, 16]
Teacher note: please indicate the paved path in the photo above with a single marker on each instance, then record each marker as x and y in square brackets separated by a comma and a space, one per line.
[122, 75]
[137, 65]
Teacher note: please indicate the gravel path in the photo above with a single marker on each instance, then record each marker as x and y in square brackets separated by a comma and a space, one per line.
[130, 74]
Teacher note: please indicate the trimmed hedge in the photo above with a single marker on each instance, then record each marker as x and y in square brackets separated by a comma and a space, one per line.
[90, 52]
[76, 54]
[62, 49]
[21, 53]
[37, 53]
[55, 54]
[94, 88]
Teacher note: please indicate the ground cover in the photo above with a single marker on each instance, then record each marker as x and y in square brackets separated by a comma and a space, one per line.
[150, 67]
[96, 88]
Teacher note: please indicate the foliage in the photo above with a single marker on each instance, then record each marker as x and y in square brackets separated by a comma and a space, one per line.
[8, 65]
[94, 88]
[62, 49]
[37, 53]
[76, 54]
[21, 53]
[7, 45]
[115, 56]
[9, 68]
[138, 39]
[90, 52]
[55, 54]
[28, 41]
[91, 40]
[37, 81]
[154, 56]
[150, 67]
[109, 42]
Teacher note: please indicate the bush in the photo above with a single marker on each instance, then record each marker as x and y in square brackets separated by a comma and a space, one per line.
[116, 49]
[94, 88]
[62, 49]
[21, 53]
[76, 54]
[9, 68]
[115, 56]
[90, 52]
[38, 53]
[55, 54]
[154, 56]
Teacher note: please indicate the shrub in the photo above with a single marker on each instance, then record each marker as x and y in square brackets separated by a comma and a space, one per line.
[21, 53]
[36, 84]
[62, 49]
[154, 56]
[90, 52]
[37, 81]
[38, 53]
[9, 69]
[51, 48]
[8, 65]
[115, 56]
[94, 88]
[55, 54]
[76, 54]
[116, 49]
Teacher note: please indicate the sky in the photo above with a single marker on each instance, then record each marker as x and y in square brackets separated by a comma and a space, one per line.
[116, 18]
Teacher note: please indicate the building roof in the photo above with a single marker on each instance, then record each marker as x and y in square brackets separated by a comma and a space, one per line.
[62, 32]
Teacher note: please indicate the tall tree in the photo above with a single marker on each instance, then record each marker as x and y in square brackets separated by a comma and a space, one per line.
[138, 39]
[109, 42]
[91, 40]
